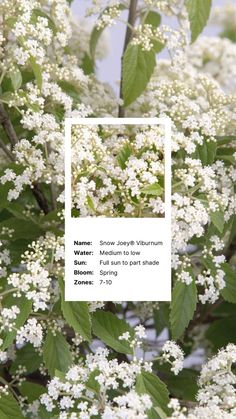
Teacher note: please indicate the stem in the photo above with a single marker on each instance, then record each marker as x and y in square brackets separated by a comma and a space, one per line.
[128, 37]
[6, 150]
[40, 198]
[8, 292]
[7, 125]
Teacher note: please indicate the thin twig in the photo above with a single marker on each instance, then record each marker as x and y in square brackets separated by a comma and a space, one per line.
[128, 37]
[40, 198]
[7, 125]
[6, 150]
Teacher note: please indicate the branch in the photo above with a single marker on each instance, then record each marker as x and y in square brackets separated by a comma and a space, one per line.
[231, 251]
[6, 150]
[40, 198]
[7, 125]
[128, 37]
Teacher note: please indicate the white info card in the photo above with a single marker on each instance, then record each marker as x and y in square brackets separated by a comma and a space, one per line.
[118, 209]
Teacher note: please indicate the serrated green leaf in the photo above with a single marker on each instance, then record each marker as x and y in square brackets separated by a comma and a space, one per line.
[153, 18]
[229, 291]
[137, 68]
[16, 78]
[183, 305]
[28, 358]
[31, 390]
[206, 152]
[77, 315]
[37, 72]
[148, 383]
[124, 155]
[182, 386]
[221, 332]
[56, 353]
[198, 13]
[25, 229]
[9, 408]
[155, 189]
[107, 327]
[217, 218]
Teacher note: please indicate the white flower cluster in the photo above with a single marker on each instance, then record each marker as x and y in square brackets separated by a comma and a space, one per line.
[212, 277]
[174, 355]
[8, 317]
[217, 394]
[41, 262]
[31, 332]
[150, 38]
[5, 259]
[72, 393]
[28, 44]
[117, 172]
[108, 17]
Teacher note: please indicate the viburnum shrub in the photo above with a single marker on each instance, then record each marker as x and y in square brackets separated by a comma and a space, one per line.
[125, 359]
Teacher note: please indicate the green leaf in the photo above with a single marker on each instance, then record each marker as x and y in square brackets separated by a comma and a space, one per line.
[56, 353]
[37, 72]
[92, 384]
[153, 18]
[31, 390]
[6, 97]
[148, 383]
[217, 218]
[155, 189]
[162, 317]
[182, 386]
[107, 327]
[16, 78]
[198, 13]
[87, 64]
[43, 413]
[124, 155]
[183, 305]
[206, 152]
[152, 413]
[71, 90]
[9, 408]
[77, 315]
[137, 68]
[221, 332]
[28, 358]
[25, 310]
[90, 203]
[22, 229]
[95, 35]
[229, 292]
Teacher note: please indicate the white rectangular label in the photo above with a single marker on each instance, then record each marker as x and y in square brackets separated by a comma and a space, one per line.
[118, 259]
